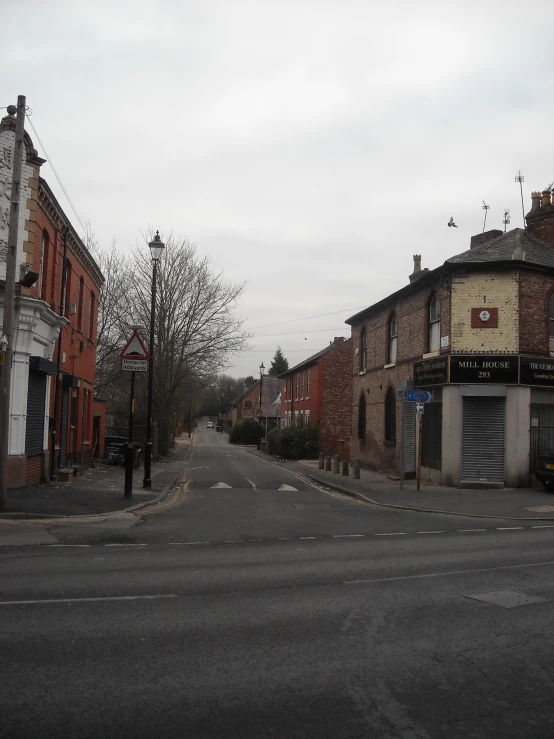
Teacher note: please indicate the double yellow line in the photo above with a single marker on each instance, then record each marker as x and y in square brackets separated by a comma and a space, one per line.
[180, 496]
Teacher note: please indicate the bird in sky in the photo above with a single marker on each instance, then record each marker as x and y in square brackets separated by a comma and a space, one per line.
[451, 222]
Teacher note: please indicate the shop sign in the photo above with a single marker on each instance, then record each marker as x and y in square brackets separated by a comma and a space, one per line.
[482, 370]
[537, 371]
[431, 372]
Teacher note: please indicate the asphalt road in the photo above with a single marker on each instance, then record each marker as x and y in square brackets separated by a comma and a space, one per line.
[250, 611]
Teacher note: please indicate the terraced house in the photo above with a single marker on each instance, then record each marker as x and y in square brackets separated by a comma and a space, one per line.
[478, 333]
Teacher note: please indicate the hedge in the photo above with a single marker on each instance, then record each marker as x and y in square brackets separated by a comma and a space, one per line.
[244, 432]
[294, 442]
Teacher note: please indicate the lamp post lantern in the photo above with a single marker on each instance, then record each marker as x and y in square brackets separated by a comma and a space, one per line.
[156, 249]
[262, 368]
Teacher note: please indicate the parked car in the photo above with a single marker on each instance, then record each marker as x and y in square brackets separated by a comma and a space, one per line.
[544, 471]
[210, 425]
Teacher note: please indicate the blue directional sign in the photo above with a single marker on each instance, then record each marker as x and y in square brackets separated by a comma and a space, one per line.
[418, 396]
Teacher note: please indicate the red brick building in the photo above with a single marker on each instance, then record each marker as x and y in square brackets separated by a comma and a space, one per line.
[302, 388]
[247, 406]
[335, 424]
[50, 407]
[478, 334]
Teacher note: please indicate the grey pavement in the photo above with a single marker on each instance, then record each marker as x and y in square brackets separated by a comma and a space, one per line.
[251, 604]
[525, 503]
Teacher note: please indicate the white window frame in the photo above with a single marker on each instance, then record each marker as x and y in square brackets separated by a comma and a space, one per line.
[434, 326]
[309, 382]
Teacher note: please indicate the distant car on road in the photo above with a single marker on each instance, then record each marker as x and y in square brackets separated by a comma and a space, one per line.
[544, 471]
[210, 425]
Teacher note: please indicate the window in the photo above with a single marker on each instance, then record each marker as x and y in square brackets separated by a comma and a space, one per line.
[361, 419]
[248, 404]
[434, 326]
[41, 287]
[363, 350]
[297, 386]
[306, 416]
[309, 381]
[393, 339]
[92, 310]
[390, 417]
[67, 296]
[80, 308]
[303, 383]
[551, 323]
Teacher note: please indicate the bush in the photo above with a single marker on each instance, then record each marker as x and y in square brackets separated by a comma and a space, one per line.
[244, 432]
[294, 442]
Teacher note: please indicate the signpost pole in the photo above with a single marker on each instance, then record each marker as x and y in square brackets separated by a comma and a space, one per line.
[129, 457]
[403, 443]
[419, 429]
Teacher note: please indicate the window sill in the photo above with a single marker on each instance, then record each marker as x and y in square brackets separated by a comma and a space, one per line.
[362, 372]
[390, 443]
[431, 354]
[391, 364]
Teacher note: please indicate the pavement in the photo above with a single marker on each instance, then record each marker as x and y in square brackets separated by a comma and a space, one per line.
[98, 490]
[378, 489]
[252, 603]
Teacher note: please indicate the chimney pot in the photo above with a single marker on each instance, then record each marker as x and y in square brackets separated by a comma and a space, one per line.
[535, 200]
[545, 200]
[417, 263]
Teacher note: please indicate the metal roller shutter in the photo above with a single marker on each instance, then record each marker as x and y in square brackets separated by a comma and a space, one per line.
[63, 427]
[483, 439]
[36, 410]
[409, 443]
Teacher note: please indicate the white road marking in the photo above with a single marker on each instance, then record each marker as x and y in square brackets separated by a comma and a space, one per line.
[396, 533]
[68, 545]
[545, 526]
[289, 488]
[189, 542]
[85, 600]
[124, 545]
[285, 538]
[252, 483]
[233, 541]
[220, 485]
[466, 531]
[448, 573]
[508, 528]
[307, 537]
[346, 536]
[431, 532]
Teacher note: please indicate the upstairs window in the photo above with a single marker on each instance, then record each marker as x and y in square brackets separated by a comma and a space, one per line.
[92, 310]
[390, 417]
[393, 338]
[80, 308]
[434, 327]
[303, 383]
[41, 287]
[297, 386]
[363, 350]
[361, 419]
[551, 323]
[309, 381]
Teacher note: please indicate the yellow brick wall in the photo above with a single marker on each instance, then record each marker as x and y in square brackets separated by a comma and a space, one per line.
[484, 291]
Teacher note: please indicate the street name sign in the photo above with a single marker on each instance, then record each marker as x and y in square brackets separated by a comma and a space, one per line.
[418, 396]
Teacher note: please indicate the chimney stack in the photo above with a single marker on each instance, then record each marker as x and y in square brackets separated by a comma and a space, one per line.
[418, 272]
[484, 237]
[540, 219]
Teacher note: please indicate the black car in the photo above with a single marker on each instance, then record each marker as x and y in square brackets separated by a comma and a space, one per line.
[544, 471]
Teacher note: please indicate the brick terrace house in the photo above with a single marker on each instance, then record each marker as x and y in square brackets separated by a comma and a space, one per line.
[319, 390]
[478, 332]
[247, 405]
[42, 433]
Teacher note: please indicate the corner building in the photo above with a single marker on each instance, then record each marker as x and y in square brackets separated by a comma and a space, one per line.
[478, 334]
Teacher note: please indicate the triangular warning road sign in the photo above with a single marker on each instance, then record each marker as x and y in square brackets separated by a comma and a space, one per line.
[134, 348]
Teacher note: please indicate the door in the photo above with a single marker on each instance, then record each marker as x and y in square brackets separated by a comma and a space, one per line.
[483, 439]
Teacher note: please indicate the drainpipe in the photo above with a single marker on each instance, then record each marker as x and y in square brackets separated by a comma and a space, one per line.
[59, 360]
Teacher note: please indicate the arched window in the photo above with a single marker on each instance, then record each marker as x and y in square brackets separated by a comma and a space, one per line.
[363, 350]
[390, 416]
[393, 339]
[551, 323]
[434, 324]
[361, 419]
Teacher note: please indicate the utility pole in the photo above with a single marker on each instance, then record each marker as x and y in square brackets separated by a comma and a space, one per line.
[9, 297]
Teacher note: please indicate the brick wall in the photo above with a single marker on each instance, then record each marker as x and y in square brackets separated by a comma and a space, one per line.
[535, 291]
[540, 220]
[485, 291]
[412, 318]
[33, 472]
[294, 402]
[336, 401]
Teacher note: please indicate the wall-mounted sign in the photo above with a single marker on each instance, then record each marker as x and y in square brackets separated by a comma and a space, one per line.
[537, 371]
[445, 341]
[431, 372]
[470, 369]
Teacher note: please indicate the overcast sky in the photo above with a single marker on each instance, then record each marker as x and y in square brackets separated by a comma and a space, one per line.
[309, 148]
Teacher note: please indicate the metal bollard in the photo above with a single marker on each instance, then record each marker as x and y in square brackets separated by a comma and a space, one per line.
[321, 461]
[344, 469]
[356, 470]
[327, 464]
[336, 464]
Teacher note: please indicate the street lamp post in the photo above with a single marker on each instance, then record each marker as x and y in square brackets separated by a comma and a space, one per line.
[260, 411]
[156, 248]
